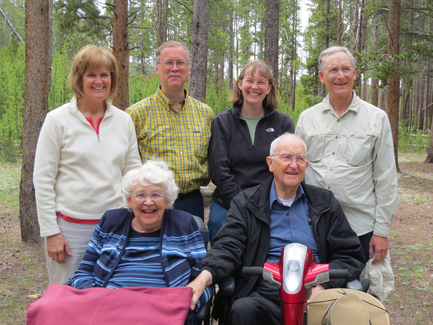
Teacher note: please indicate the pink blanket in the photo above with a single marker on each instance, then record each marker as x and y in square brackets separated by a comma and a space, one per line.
[65, 305]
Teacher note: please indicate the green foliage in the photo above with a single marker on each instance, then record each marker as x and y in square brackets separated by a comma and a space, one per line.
[219, 102]
[60, 68]
[12, 66]
[413, 140]
[80, 22]
[141, 86]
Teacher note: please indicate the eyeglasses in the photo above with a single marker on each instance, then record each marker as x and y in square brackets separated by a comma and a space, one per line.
[289, 157]
[170, 64]
[154, 196]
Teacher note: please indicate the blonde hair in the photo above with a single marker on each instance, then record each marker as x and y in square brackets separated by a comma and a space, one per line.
[250, 68]
[91, 57]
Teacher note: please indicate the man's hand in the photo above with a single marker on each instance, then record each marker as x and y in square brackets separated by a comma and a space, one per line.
[56, 247]
[380, 246]
[316, 290]
[198, 285]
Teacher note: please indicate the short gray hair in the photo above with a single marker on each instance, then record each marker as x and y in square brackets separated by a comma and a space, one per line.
[172, 44]
[332, 50]
[288, 136]
[152, 172]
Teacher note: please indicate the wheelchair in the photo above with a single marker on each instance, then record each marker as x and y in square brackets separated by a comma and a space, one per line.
[299, 271]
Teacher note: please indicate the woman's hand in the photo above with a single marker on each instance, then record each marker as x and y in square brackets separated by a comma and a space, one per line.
[198, 285]
[56, 247]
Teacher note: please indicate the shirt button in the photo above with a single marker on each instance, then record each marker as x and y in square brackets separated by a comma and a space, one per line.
[333, 153]
[336, 137]
[329, 187]
[330, 169]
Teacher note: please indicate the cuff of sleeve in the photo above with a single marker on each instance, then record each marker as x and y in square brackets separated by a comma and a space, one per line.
[212, 272]
[382, 229]
[51, 232]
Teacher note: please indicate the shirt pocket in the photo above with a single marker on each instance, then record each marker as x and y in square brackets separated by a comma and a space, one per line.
[359, 150]
[315, 146]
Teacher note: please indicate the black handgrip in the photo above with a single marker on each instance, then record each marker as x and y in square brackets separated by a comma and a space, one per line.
[338, 274]
[252, 270]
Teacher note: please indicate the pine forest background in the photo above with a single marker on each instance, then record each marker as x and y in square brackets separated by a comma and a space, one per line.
[236, 35]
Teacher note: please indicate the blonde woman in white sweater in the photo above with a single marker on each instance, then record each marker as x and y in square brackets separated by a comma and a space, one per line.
[84, 149]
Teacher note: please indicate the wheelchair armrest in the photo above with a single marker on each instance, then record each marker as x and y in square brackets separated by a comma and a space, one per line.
[227, 286]
[357, 285]
[203, 312]
[354, 285]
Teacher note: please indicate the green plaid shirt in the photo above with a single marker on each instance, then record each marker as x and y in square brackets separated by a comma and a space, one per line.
[180, 138]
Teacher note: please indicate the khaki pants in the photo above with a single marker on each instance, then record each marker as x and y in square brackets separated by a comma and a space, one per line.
[78, 236]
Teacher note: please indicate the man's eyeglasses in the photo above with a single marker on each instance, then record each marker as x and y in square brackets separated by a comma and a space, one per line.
[170, 64]
[154, 196]
[289, 157]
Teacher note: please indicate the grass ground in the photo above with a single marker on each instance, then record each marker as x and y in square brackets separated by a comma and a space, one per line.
[23, 272]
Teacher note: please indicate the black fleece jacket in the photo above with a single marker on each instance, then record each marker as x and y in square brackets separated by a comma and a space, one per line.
[244, 239]
[236, 164]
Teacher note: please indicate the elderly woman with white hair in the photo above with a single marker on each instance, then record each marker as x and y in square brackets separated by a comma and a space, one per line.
[149, 244]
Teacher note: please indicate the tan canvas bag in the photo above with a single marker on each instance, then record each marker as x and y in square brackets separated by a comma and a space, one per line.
[346, 309]
[319, 308]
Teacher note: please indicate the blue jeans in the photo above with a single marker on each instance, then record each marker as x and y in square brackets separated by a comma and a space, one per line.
[217, 217]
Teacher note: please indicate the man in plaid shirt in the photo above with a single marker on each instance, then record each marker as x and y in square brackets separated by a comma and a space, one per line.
[175, 127]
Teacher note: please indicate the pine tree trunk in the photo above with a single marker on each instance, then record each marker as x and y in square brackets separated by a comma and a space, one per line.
[200, 28]
[272, 32]
[35, 108]
[231, 46]
[121, 51]
[374, 81]
[394, 79]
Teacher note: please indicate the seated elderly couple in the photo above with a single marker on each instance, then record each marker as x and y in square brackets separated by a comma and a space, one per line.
[154, 246]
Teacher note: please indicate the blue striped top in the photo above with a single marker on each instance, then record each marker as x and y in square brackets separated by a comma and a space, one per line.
[140, 265]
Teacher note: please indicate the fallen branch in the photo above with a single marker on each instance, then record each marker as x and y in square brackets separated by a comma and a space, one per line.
[11, 26]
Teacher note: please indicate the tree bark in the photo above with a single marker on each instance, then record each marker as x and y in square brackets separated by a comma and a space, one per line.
[121, 51]
[35, 108]
[394, 79]
[272, 32]
[159, 23]
[339, 24]
[374, 81]
[429, 158]
[200, 29]
[231, 50]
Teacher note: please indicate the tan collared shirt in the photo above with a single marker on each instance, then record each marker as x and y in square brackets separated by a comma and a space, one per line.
[353, 156]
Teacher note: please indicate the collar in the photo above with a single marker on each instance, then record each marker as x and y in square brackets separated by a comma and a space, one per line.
[167, 102]
[354, 105]
[273, 194]
[73, 107]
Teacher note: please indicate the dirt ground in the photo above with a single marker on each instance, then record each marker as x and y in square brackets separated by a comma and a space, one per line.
[23, 273]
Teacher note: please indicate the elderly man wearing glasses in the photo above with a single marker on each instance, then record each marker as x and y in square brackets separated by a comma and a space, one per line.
[264, 219]
[175, 127]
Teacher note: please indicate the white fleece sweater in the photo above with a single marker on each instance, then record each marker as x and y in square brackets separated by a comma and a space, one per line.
[77, 172]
